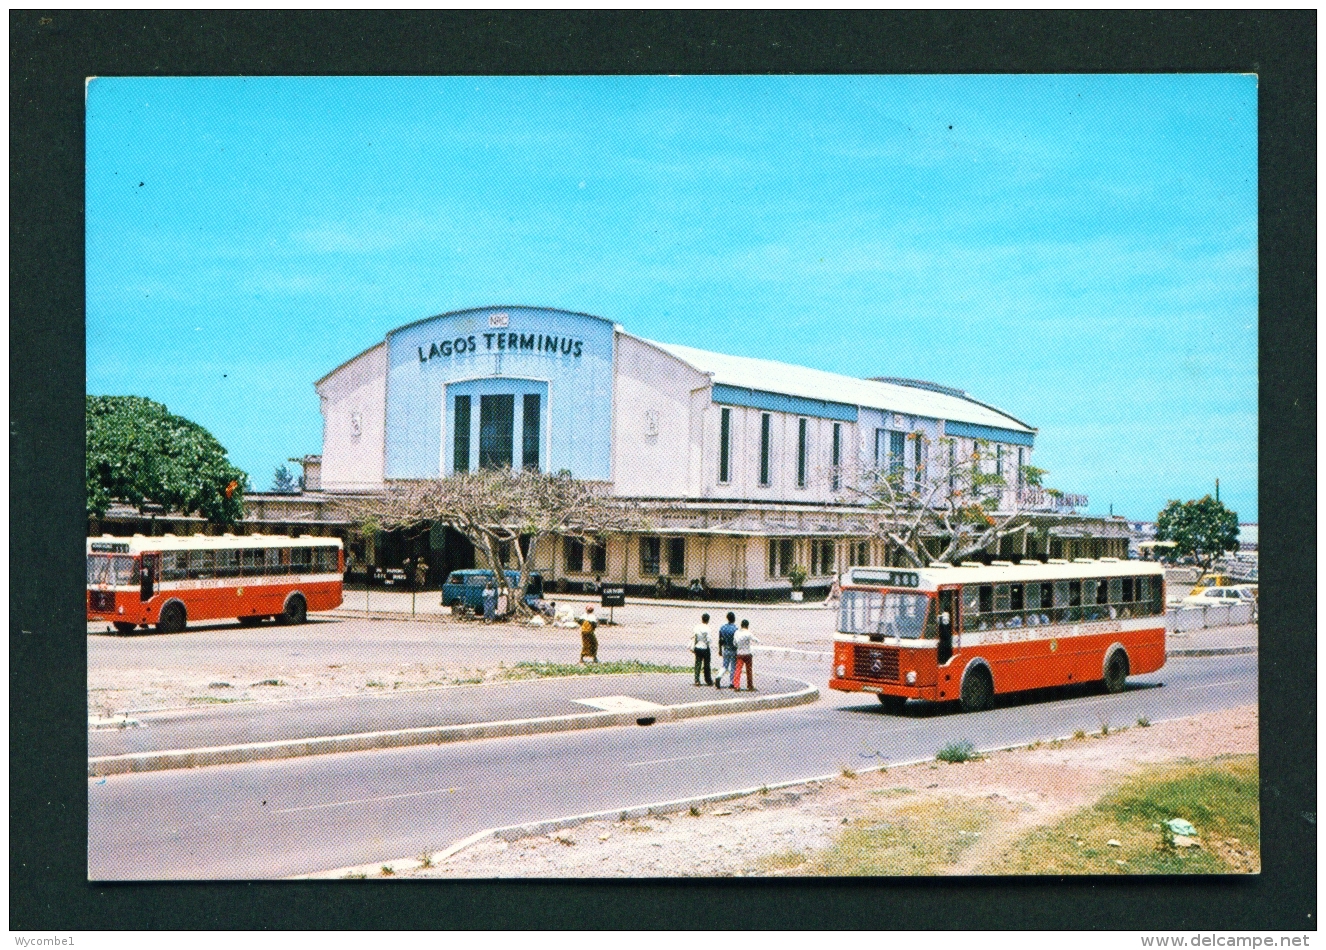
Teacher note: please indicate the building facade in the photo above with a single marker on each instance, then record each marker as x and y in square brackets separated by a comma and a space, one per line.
[747, 468]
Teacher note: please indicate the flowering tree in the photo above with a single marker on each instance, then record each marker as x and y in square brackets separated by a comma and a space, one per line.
[502, 511]
[963, 505]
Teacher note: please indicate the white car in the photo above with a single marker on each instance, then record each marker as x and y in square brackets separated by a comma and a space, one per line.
[1220, 595]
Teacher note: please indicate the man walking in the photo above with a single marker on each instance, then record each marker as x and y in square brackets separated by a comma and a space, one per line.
[727, 649]
[743, 641]
[700, 647]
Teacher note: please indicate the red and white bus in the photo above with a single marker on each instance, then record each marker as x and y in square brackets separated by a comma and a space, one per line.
[969, 632]
[169, 581]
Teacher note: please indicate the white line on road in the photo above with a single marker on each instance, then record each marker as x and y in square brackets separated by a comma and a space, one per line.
[1214, 685]
[361, 801]
[680, 758]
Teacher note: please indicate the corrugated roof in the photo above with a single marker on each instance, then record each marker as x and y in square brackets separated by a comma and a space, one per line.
[770, 376]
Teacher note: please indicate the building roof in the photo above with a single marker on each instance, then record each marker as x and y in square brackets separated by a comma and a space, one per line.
[801, 381]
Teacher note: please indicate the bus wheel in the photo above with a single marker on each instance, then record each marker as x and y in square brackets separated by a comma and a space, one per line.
[1116, 672]
[123, 626]
[977, 690]
[249, 621]
[892, 704]
[296, 611]
[173, 619]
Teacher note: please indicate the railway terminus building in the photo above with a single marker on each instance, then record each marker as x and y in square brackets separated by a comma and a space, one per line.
[745, 467]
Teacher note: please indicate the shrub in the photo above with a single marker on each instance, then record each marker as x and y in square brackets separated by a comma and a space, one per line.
[962, 751]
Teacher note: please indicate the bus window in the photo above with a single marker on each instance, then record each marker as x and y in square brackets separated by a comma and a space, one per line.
[1032, 596]
[887, 614]
[1116, 590]
[250, 561]
[1089, 592]
[272, 559]
[971, 608]
[201, 565]
[1016, 599]
[1001, 600]
[1157, 600]
[1126, 583]
[986, 598]
[227, 563]
[174, 565]
[301, 560]
[1102, 592]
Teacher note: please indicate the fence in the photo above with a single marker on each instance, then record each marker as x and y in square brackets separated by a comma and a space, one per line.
[1180, 619]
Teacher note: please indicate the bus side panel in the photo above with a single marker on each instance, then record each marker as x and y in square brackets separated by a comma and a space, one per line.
[1058, 661]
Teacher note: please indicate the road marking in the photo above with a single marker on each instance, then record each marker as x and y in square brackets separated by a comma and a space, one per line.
[619, 703]
[361, 801]
[680, 758]
[1214, 685]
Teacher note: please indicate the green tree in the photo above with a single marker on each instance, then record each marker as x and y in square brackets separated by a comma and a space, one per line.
[283, 482]
[140, 454]
[1203, 529]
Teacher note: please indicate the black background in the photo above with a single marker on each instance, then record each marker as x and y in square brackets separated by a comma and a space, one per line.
[51, 53]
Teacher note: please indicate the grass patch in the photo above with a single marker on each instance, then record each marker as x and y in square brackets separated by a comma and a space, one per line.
[896, 791]
[269, 683]
[1219, 796]
[212, 700]
[924, 838]
[529, 670]
[962, 751]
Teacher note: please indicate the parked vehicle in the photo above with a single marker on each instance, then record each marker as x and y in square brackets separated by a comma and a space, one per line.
[1211, 596]
[465, 588]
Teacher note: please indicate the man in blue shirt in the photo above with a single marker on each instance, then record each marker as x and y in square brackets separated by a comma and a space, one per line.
[727, 649]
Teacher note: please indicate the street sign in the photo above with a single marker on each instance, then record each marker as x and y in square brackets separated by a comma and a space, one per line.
[612, 595]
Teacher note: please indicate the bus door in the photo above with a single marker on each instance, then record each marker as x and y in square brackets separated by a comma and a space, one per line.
[148, 575]
[948, 622]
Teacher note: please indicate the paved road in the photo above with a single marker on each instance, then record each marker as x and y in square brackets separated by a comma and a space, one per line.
[275, 819]
[411, 709]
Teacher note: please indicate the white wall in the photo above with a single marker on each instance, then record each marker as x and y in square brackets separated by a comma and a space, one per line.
[652, 432]
[353, 403]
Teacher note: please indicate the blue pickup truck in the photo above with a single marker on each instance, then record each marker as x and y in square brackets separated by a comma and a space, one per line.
[465, 588]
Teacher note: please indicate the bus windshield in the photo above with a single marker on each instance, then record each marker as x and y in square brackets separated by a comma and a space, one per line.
[114, 570]
[890, 613]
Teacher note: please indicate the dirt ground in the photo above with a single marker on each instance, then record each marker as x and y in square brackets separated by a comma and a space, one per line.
[771, 834]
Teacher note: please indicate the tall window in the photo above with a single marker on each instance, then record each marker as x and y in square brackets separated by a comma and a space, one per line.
[676, 556]
[573, 550]
[821, 556]
[801, 453]
[461, 437]
[780, 556]
[952, 464]
[836, 473]
[860, 553]
[1021, 462]
[918, 461]
[881, 449]
[897, 448]
[725, 445]
[530, 434]
[649, 552]
[766, 447]
[999, 460]
[598, 557]
[496, 421]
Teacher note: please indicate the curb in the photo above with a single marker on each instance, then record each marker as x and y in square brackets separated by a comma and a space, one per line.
[529, 829]
[431, 735]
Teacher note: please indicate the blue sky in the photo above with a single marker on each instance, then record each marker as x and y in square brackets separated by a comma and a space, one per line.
[1080, 251]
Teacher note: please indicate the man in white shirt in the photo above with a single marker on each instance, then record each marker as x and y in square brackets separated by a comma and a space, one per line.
[743, 640]
[700, 647]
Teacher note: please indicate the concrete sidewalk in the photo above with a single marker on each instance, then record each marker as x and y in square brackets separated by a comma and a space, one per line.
[1216, 641]
[216, 735]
